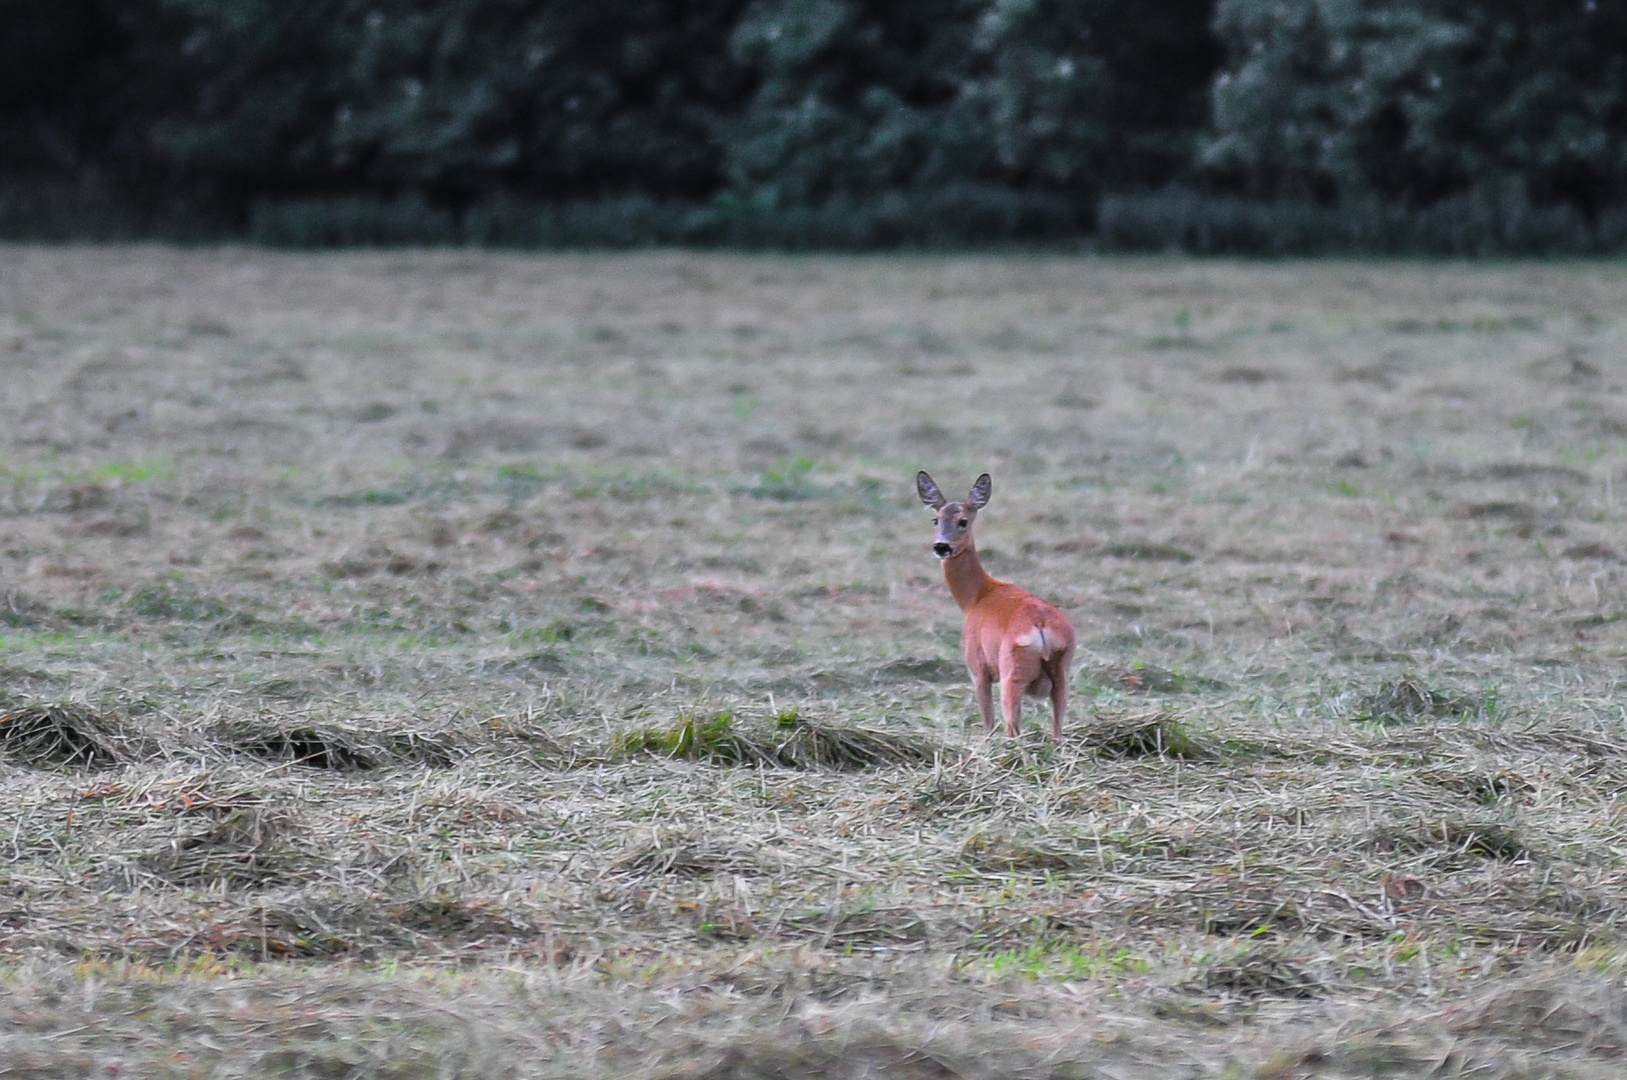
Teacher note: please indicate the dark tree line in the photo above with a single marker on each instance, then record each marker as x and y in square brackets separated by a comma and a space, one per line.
[812, 121]
[1417, 101]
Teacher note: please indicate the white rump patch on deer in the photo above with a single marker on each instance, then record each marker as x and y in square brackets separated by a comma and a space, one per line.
[1038, 640]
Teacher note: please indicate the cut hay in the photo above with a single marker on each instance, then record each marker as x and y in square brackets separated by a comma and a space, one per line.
[1262, 972]
[60, 736]
[1140, 678]
[1252, 911]
[1148, 551]
[942, 797]
[341, 749]
[538, 745]
[792, 743]
[448, 917]
[688, 856]
[1450, 839]
[864, 929]
[868, 1050]
[807, 744]
[324, 928]
[269, 933]
[998, 854]
[1483, 786]
[547, 907]
[243, 848]
[1409, 701]
[917, 669]
[1133, 735]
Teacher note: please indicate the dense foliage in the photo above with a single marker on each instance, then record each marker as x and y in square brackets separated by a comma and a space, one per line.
[1416, 101]
[456, 100]
[819, 122]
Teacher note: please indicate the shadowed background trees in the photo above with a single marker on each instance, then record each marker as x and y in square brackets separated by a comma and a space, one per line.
[1241, 125]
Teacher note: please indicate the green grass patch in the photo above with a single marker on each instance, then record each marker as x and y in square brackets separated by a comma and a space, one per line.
[370, 497]
[135, 470]
[519, 481]
[793, 742]
[177, 600]
[786, 482]
[1057, 960]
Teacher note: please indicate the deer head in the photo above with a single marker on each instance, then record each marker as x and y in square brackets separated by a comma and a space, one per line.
[954, 519]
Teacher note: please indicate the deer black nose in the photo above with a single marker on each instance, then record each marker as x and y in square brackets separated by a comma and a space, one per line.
[941, 550]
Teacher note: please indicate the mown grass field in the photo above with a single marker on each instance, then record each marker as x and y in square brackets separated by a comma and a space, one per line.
[447, 664]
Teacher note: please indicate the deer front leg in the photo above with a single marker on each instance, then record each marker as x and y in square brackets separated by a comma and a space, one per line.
[985, 698]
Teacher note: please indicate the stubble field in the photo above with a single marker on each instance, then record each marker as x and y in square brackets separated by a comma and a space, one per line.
[449, 664]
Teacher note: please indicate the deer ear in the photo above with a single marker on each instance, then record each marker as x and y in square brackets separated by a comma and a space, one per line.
[928, 491]
[980, 492]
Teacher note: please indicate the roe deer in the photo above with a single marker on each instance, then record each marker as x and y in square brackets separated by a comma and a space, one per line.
[1009, 635]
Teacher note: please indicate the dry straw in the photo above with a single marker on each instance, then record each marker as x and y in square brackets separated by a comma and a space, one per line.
[411, 696]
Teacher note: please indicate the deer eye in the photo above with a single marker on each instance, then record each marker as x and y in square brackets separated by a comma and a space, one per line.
[934, 521]
[963, 523]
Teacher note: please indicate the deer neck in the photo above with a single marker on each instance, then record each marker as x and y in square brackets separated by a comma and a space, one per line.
[967, 579]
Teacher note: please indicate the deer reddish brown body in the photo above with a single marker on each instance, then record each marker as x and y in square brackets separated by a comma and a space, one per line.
[1010, 636]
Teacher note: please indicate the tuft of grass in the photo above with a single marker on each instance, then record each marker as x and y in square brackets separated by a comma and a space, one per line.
[863, 1049]
[712, 739]
[60, 736]
[1134, 735]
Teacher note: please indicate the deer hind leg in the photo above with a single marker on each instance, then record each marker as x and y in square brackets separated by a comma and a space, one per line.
[1018, 669]
[985, 698]
[1059, 666]
[1011, 703]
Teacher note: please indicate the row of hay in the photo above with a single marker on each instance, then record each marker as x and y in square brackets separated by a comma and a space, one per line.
[73, 736]
[63, 736]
